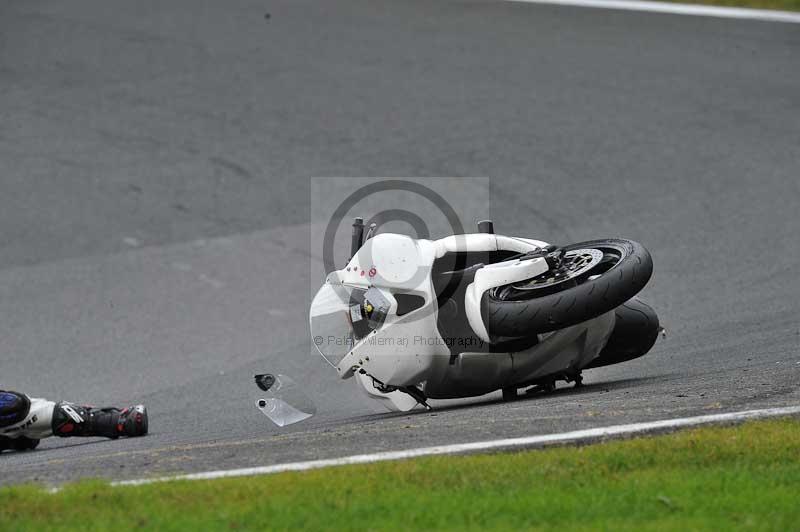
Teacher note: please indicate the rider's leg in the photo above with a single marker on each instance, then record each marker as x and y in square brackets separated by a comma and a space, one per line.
[23, 418]
[75, 420]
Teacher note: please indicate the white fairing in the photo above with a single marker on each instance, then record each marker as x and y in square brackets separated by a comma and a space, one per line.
[406, 347]
[398, 264]
[392, 401]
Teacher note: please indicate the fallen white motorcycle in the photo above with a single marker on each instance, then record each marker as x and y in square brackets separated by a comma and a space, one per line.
[414, 319]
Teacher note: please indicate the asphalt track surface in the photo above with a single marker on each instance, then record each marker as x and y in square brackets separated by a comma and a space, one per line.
[156, 205]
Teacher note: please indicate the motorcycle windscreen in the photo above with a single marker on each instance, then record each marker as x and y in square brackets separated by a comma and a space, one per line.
[329, 318]
[341, 315]
[283, 401]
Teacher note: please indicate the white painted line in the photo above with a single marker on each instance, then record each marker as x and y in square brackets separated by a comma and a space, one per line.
[679, 9]
[511, 443]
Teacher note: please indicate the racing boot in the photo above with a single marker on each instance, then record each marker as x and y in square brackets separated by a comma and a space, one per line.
[73, 420]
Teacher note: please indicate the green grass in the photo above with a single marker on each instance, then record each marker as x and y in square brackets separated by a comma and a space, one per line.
[783, 5]
[745, 477]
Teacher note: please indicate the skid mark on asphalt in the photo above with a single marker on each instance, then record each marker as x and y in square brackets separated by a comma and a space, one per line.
[232, 166]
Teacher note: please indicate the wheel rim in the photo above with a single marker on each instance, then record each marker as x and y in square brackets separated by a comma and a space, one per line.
[576, 264]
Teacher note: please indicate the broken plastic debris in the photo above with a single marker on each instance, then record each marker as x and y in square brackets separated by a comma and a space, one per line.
[283, 402]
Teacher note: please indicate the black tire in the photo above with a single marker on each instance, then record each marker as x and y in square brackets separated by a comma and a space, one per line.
[635, 332]
[509, 394]
[515, 313]
[25, 444]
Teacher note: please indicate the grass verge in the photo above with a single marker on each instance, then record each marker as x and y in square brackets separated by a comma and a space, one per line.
[717, 478]
[781, 5]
